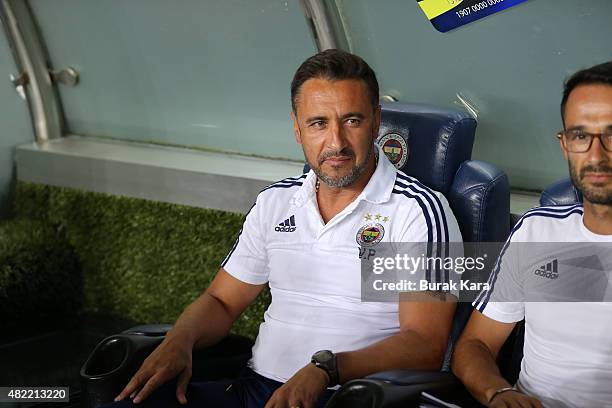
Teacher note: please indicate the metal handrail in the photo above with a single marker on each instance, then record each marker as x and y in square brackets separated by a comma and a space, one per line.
[30, 58]
[321, 20]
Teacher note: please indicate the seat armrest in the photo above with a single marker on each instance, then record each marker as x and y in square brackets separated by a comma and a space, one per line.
[149, 330]
[411, 377]
[112, 363]
[400, 388]
[117, 358]
[368, 393]
[480, 199]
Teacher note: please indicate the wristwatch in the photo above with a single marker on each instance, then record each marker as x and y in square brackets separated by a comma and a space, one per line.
[326, 360]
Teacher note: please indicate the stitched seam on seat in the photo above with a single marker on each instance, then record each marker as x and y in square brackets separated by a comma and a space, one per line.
[548, 197]
[486, 194]
[448, 146]
[456, 124]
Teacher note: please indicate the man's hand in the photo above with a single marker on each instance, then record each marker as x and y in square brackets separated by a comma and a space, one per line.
[170, 359]
[514, 399]
[302, 390]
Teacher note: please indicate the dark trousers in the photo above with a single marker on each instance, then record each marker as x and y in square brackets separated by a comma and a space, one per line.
[249, 390]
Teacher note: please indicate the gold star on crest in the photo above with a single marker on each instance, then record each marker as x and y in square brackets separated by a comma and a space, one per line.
[368, 217]
[378, 217]
[385, 219]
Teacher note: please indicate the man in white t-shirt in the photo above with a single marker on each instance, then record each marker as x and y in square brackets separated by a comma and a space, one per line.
[561, 290]
[305, 237]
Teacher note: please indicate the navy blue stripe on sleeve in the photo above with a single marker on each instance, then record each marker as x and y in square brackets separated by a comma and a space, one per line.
[441, 241]
[421, 203]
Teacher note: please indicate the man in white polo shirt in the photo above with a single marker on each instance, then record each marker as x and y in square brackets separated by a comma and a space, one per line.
[305, 237]
[568, 343]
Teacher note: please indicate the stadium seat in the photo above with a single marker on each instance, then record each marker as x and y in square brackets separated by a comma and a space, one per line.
[430, 143]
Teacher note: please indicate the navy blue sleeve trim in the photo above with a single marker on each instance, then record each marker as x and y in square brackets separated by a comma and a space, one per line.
[287, 183]
[442, 246]
[435, 196]
[427, 221]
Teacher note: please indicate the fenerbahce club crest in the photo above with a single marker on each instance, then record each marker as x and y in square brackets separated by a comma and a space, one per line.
[373, 232]
[370, 234]
[395, 148]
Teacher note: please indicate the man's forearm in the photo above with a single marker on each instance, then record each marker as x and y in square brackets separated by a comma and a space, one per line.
[405, 350]
[204, 322]
[475, 366]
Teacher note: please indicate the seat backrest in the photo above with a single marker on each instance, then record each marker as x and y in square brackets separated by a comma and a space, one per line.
[562, 192]
[427, 142]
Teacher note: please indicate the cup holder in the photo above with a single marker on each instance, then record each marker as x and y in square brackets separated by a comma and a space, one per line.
[109, 356]
[111, 364]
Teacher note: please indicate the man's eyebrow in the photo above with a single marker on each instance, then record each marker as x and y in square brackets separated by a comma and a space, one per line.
[579, 127]
[315, 119]
[358, 115]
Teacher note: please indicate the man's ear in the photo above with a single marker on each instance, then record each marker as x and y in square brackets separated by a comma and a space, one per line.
[296, 128]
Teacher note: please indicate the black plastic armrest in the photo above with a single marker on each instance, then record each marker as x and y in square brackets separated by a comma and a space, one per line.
[150, 330]
[412, 377]
[117, 358]
[399, 388]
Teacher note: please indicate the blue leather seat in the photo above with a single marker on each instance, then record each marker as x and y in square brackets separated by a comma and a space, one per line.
[434, 145]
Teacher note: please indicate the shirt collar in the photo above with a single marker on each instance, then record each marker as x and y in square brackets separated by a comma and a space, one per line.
[379, 188]
[377, 191]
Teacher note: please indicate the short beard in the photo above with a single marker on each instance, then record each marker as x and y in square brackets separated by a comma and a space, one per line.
[601, 196]
[351, 177]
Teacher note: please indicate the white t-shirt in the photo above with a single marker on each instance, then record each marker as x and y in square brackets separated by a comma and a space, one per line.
[314, 269]
[567, 358]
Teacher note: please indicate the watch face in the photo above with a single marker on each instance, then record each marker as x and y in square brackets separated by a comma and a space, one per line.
[323, 356]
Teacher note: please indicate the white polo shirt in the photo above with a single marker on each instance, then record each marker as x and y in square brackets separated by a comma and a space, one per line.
[314, 269]
[567, 358]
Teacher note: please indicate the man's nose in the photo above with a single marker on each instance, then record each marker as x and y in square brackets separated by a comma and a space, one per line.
[337, 136]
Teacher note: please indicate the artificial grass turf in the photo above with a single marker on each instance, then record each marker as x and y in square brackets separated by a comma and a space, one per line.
[40, 279]
[140, 260]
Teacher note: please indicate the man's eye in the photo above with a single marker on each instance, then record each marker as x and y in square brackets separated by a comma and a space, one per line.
[318, 124]
[577, 135]
[353, 122]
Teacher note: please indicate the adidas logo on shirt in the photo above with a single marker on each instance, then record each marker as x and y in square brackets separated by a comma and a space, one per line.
[286, 226]
[549, 270]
